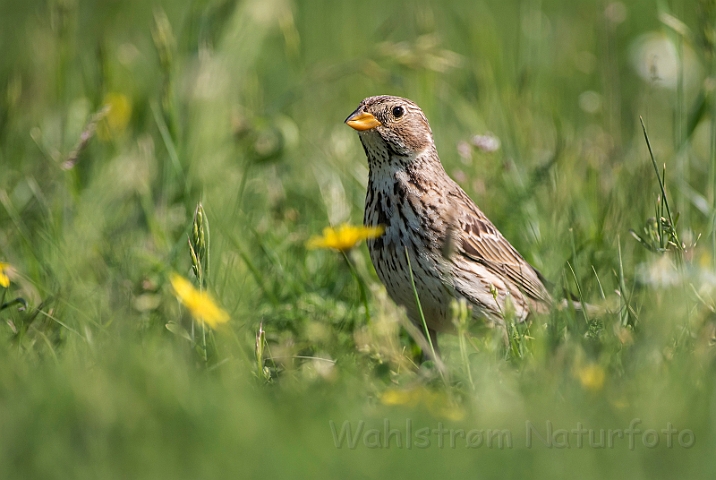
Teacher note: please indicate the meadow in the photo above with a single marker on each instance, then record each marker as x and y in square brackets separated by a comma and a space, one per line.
[585, 130]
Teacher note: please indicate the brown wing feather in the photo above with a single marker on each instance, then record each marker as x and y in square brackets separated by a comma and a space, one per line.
[483, 243]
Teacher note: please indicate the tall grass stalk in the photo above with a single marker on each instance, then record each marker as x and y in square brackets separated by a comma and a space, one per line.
[361, 286]
[424, 324]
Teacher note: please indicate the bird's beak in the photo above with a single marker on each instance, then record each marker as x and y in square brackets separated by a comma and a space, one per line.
[362, 121]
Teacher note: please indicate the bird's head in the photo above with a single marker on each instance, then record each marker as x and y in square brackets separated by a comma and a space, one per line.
[391, 125]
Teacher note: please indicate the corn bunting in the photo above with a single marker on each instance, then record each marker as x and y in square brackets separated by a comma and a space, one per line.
[454, 251]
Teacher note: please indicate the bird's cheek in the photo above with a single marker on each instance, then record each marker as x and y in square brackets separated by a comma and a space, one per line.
[422, 141]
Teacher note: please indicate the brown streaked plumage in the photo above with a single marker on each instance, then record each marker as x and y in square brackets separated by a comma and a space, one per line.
[455, 251]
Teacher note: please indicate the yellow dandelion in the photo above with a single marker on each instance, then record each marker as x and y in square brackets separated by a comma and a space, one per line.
[117, 118]
[344, 237]
[591, 377]
[394, 396]
[200, 304]
[705, 259]
[437, 403]
[4, 279]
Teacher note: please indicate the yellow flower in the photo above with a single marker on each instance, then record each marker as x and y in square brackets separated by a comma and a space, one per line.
[120, 111]
[344, 237]
[200, 304]
[4, 279]
[591, 377]
[438, 404]
[394, 396]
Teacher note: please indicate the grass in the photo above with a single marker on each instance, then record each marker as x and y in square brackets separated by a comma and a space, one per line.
[239, 106]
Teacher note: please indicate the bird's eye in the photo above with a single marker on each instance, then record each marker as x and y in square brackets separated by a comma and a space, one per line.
[398, 112]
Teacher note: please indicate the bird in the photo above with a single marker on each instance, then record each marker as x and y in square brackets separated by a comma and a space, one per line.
[436, 243]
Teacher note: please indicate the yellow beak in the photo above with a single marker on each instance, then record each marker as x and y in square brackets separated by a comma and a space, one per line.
[362, 121]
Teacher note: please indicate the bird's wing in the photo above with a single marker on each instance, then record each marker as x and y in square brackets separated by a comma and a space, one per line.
[477, 239]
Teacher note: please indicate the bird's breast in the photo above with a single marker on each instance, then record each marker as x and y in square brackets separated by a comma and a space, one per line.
[405, 209]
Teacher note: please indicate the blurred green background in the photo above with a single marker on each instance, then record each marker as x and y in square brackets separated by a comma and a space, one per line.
[118, 117]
